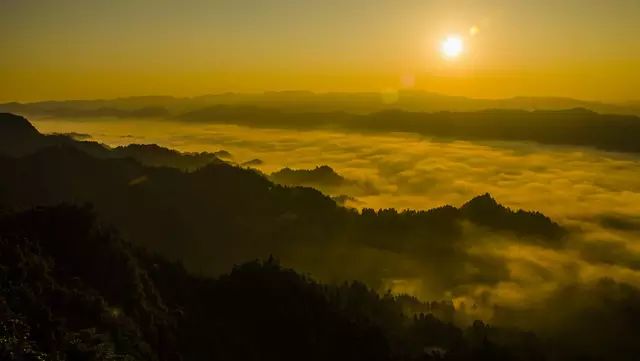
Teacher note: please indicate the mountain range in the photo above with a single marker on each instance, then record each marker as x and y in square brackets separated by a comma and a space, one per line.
[305, 101]
[146, 253]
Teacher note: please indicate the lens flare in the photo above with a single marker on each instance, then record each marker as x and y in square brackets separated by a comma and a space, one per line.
[452, 47]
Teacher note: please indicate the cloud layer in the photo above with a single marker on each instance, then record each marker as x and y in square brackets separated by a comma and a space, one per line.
[594, 194]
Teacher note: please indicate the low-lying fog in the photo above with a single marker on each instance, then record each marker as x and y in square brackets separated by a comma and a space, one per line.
[593, 193]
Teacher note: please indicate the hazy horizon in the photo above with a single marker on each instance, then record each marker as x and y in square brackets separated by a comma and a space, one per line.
[105, 49]
[315, 92]
[345, 180]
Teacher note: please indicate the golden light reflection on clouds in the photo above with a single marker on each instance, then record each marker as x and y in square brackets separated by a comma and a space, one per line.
[594, 194]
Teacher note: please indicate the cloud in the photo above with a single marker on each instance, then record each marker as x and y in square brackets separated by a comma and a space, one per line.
[594, 194]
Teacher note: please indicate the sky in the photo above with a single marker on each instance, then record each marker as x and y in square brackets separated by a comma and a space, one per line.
[84, 49]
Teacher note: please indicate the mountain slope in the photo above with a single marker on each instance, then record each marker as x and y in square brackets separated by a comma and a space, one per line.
[73, 290]
[220, 215]
[19, 137]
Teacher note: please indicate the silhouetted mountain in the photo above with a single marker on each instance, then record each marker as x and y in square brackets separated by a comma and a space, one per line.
[15, 125]
[157, 156]
[18, 137]
[306, 101]
[323, 178]
[73, 289]
[577, 127]
[321, 175]
[488, 212]
[220, 215]
[544, 120]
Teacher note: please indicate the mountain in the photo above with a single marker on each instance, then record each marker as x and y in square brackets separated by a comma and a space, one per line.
[305, 101]
[73, 289]
[156, 156]
[219, 215]
[325, 179]
[574, 127]
[159, 268]
[19, 137]
[14, 125]
[319, 176]
[557, 121]
[485, 210]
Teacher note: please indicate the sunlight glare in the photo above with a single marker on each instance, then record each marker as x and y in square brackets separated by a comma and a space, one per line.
[452, 47]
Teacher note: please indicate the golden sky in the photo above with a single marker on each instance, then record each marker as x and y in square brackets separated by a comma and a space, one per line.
[62, 49]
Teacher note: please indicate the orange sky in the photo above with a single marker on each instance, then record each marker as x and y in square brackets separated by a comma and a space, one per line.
[100, 49]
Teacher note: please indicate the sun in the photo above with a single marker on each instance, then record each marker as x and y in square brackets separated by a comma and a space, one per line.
[452, 46]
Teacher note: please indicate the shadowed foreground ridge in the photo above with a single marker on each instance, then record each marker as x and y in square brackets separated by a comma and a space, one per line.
[73, 290]
[180, 287]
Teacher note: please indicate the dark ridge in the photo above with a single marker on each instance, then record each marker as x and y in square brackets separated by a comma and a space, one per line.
[322, 175]
[19, 137]
[11, 124]
[573, 126]
[226, 213]
[157, 156]
[486, 211]
[73, 289]
[482, 203]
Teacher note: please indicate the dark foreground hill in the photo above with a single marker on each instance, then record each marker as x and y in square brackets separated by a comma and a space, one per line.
[220, 215]
[18, 137]
[227, 214]
[72, 289]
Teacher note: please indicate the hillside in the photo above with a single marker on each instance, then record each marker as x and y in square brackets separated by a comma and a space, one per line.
[220, 214]
[74, 290]
[18, 137]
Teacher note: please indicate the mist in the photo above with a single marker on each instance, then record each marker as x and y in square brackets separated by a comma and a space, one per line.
[594, 194]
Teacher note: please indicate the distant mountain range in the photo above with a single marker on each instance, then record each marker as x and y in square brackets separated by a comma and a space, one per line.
[303, 101]
[575, 127]
[556, 121]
